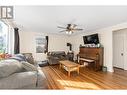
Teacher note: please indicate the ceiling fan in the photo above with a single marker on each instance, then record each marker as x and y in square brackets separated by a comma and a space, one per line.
[71, 28]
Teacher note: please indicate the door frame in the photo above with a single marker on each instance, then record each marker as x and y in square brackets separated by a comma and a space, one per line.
[125, 45]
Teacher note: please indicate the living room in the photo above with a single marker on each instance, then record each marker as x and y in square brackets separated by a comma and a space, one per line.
[58, 41]
[50, 27]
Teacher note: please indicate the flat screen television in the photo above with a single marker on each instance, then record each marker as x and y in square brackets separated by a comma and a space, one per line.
[91, 39]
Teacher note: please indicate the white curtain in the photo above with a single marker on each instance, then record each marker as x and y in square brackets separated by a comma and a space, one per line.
[10, 36]
[11, 41]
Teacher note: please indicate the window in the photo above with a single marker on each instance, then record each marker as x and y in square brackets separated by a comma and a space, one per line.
[3, 37]
[41, 44]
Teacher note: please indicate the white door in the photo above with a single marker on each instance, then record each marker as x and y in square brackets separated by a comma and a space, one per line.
[118, 49]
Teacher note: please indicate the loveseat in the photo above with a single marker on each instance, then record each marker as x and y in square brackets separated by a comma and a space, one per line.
[18, 73]
[55, 56]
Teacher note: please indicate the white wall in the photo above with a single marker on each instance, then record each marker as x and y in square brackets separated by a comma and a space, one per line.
[105, 36]
[58, 42]
[27, 43]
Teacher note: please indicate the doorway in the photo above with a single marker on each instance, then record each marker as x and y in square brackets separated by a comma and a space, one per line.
[120, 49]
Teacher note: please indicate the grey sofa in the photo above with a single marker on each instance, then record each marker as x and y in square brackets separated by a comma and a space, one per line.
[20, 78]
[55, 56]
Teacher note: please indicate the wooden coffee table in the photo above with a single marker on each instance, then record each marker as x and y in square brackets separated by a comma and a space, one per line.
[69, 66]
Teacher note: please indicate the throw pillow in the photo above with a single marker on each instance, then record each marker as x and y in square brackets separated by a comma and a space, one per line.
[19, 57]
[29, 57]
[28, 66]
[9, 66]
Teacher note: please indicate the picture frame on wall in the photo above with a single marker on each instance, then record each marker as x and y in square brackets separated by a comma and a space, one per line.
[40, 44]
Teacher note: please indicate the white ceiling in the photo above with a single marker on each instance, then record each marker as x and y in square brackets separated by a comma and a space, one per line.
[47, 18]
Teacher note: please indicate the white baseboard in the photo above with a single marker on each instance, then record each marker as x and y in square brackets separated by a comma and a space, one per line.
[110, 70]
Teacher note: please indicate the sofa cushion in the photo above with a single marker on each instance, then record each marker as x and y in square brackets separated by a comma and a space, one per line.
[9, 66]
[56, 53]
[28, 66]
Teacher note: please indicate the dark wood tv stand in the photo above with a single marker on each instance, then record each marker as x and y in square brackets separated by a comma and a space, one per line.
[92, 55]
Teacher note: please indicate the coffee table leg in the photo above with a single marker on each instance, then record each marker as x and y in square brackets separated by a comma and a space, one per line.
[78, 70]
[60, 65]
[69, 73]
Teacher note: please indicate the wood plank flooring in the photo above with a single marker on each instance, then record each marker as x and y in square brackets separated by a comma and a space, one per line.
[87, 79]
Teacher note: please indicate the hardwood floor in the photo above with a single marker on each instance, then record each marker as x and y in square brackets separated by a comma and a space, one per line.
[87, 79]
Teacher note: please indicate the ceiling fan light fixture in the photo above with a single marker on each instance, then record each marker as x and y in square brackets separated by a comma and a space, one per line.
[67, 32]
[70, 32]
[71, 28]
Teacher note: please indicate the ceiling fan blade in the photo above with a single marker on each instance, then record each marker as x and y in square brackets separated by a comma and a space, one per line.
[74, 25]
[61, 27]
[63, 30]
[78, 29]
